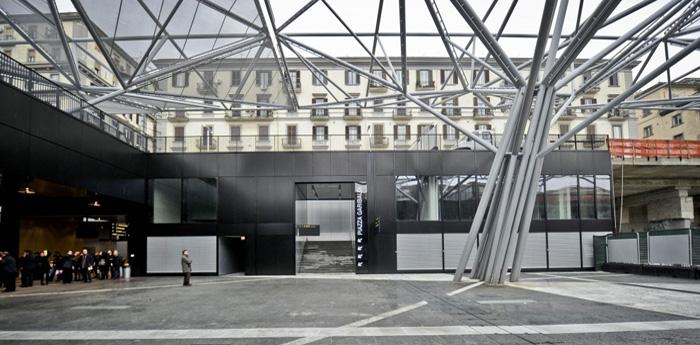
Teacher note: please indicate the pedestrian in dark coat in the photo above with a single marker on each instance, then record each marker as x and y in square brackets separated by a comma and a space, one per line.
[86, 264]
[186, 267]
[43, 267]
[67, 266]
[116, 264]
[27, 267]
[8, 267]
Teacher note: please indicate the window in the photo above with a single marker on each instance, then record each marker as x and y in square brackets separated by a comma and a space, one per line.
[648, 131]
[614, 80]
[235, 78]
[679, 137]
[31, 31]
[590, 133]
[561, 197]
[376, 106]
[179, 135]
[378, 131]
[320, 133]
[207, 136]
[181, 79]
[406, 198]
[208, 78]
[586, 76]
[449, 133]
[483, 76]
[263, 101]
[235, 133]
[445, 73]
[586, 185]
[199, 200]
[563, 129]
[352, 108]
[31, 55]
[207, 110]
[352, 134]
[588, 101]
[424, 78]
[402, 133]
[602, 196]
[291, 134]
[449, 197]
[264, 133]
[646, 112]
[450, 106]
[480, 108]
[263, 79]
[379, 75]
[166, 200]
[617, 131]
[236, 105]
[677, 120]
[539, 212]
[320, 77]
[319, 111]
[352, 77]
[295, 78]
[400, 109]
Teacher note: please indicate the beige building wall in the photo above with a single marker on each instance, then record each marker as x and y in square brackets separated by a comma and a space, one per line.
[652, 125]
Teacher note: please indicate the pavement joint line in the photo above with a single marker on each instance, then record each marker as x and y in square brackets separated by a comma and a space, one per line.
[468, 287]
[507, 301]
[77, 292]
[580, 276]
[362, 322]
[351, 332]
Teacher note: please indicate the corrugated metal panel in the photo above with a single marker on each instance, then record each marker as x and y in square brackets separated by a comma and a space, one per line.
[696, 247]
[454, 245]
[163, 254]
[418, 252]
[644, 248]
[535, 255]
[587, 247]
[669, 249]
[623, 250]
[564, 250]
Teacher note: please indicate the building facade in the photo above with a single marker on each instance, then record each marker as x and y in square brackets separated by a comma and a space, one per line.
[668, 124]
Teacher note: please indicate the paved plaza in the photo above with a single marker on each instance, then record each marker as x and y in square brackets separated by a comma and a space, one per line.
[544, 308]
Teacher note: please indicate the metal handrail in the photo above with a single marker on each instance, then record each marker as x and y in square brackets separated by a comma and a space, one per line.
[20, 77]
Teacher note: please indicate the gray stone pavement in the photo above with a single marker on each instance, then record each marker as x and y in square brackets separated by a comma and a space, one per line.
[544, 308]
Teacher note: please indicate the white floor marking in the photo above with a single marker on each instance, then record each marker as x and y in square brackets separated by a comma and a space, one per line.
[325, 332]
[150, 287]
[362, 322]
[101, 307]
[507, 301]
[468, 287]
[574, 277]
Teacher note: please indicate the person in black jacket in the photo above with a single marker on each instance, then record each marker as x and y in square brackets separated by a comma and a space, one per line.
[8, 267]
[117, 262]
[67, 267]
[27, 267]
[86, 264]
[43, 267]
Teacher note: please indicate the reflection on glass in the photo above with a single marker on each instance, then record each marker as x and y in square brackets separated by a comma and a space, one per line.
[429, 198]
[406, 198]
[449, 197]
[167, 193]
[587, 196]
[603, 202]
[539, 211]
[199, 200]
[469, 196]
[562, 201]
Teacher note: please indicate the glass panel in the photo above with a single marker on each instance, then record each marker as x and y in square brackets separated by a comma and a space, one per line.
[602, 194]
[539, 211]
[429, 198]
[199, 200]
[470, 192]
[406, 198]
[167, 194]
[449, 197]
[562, 202]
[587, 196]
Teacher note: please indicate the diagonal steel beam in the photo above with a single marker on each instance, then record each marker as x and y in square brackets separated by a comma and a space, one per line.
[402, 27]
[230, 14]
[375, 41]
[480, 30]
[296, 15]
[64, 41]
[446, 41]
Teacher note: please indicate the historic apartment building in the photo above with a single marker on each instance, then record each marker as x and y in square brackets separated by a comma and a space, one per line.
[670, 124]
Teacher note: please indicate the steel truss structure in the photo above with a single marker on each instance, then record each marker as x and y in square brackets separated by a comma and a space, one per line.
[146, 42]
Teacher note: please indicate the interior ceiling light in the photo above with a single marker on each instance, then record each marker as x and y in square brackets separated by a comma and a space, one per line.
[27, 189]
[95, 203]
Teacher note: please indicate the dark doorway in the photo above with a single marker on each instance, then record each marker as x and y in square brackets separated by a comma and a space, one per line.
[231, 254]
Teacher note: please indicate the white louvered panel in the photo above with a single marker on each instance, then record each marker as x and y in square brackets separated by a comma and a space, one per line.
[587, 244]
[669, 249]
[564, 250]
[623, 250]
[418, 252]
[454, 245]
[163, 254]
[535, 255]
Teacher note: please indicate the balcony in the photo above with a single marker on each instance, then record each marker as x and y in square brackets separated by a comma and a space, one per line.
[320, 144]
[569, 114]
[378, 141]
[592, 90]
[353, 143]
[297, 87]
[318, 114]
[618, 115]
[401, 114]
[453, 112]
[178, 118]
[402, 143]
[352, 114]
[425, 85]
[377, 87]
[483, 114]
[249, 115]
[235, 144]
[291, 142]
[207, 144]
[263, 143]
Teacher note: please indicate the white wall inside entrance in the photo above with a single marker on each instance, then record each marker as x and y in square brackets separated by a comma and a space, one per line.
[335, 218]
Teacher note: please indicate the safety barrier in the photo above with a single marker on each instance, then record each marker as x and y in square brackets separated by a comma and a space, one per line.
[653, 148]
[679, 247]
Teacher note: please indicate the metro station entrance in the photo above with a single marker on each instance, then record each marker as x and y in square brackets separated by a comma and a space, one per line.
[325, 224]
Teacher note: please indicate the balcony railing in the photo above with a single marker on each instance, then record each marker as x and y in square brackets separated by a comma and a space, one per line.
[371, 142]
[26, 80]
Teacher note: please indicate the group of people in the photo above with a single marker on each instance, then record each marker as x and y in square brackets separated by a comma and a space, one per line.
[78, 265]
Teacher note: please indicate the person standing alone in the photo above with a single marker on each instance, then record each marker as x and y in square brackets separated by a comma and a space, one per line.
[186, 267]
[8, 266]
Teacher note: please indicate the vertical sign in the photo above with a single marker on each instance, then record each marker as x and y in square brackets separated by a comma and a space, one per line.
[360, 233]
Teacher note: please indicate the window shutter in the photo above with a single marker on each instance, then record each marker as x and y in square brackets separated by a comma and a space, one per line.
[442, 76]
[488, 127]
[187, 79]
[359, 132]
[454, 77]
[347, 132]
[173, 80]
[444, 131]
[325, 132]
[486, 76]
[396, 132]
[408, 132]
[420, 130]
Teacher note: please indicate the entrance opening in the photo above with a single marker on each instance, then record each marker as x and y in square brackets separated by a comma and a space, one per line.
[231, 254]
[325, 227]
